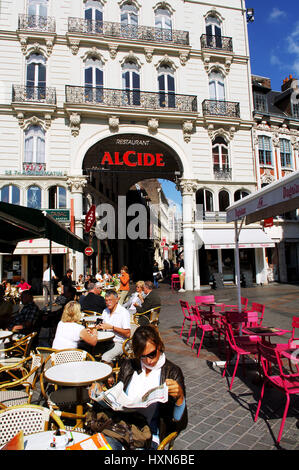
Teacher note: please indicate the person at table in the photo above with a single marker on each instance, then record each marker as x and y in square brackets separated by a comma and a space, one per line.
[150, 368]
[67, 280]
[137, 297]
[93, 300]
[151, 299]
[80, 282]
[87, 281]
[7, 289]
[23, 285]
[124, 284]
[6, 310]
[115, 317]
[24, 321]
[70, 332]
[99, 276]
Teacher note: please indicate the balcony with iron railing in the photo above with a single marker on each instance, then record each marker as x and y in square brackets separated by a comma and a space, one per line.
[36, 94]
[37, 23]
[127, 31]
[220, 43]
[143, 100]
[221, 108]
[222, 173]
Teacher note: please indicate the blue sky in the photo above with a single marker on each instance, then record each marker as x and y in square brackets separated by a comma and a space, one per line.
[274, 39]
[274, 51]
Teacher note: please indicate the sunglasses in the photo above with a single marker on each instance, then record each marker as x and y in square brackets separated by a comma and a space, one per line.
[150, 355]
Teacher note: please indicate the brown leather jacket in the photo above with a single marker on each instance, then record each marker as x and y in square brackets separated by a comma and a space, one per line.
[169, 371]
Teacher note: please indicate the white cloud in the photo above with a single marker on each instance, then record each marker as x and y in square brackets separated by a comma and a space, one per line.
[293, 47]
[276, 14]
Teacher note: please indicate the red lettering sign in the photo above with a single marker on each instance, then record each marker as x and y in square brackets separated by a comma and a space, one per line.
[268, 222]
[90, 218]
[131, 159]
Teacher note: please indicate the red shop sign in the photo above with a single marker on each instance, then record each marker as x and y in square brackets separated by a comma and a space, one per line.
[268, 222]
[90, 218]
[131, 158]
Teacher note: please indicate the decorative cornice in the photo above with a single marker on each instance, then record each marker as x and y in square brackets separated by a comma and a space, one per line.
[113, 123]
[113, 50]
[76, 184]
[131, 57]
[94, 53]
[187, 129]
[148, 52]
[75, 123]
[187, 187]
[24, 124]
[153, 125]
[227, 135]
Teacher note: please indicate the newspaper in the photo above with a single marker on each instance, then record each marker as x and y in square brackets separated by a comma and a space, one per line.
[117, 399]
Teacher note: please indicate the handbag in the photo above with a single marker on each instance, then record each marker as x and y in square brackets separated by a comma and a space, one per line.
[130, 429]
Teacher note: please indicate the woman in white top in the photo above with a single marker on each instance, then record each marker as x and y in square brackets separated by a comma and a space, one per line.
[136, 297]
[70, 332]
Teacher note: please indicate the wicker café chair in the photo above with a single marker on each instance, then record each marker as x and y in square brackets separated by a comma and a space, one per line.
[63, 399]
[168, 441]
[27, 418]
[19, 350]
[19, 391]
[149, 317]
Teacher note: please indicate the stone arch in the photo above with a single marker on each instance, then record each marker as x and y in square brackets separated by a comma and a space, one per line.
[162, 137]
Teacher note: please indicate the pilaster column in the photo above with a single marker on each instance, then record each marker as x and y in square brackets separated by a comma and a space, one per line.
[188, 189]
[76, 185]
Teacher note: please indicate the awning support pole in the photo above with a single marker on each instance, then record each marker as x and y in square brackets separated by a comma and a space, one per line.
[51, 280]
[237, 263]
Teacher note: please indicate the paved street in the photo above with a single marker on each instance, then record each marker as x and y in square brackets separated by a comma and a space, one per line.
[220, 419]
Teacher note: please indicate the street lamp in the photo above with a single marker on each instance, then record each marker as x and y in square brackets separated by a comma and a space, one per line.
[250, 15]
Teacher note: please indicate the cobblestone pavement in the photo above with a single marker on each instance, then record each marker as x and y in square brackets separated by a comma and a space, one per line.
[220, 419]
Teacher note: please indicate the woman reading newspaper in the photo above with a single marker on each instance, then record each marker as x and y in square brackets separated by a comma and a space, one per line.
[148, 369]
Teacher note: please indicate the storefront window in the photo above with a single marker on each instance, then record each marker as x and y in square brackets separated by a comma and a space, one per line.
[10, 193]
[34, 197]
[11, 268]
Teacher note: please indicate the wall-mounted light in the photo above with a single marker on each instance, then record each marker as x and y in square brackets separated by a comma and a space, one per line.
[250, 15]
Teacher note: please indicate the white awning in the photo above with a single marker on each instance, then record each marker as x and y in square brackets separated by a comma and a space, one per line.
[38, 246]
[275, 199]
[215, 239]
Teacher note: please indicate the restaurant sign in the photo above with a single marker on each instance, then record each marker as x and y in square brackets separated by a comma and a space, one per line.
[61, 215]
[133, 153]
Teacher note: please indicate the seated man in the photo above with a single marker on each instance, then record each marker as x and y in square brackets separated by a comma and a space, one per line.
[116, 318]
[93, 300]
[24, 321]
[151, 300]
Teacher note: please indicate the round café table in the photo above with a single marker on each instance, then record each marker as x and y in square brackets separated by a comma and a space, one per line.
[78, 374]
[105, 336]
[3, 336]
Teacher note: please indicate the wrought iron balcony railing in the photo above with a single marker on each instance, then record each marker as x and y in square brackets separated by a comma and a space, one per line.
[40, 94]
[129, 99]
[224, 173]
[221, 108]
[216, 42]
[123, 31]
[37, 23]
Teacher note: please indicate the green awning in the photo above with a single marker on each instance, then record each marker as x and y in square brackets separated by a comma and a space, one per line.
[18, 223]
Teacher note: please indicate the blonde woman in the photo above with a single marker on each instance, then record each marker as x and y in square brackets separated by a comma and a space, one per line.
[136, 297]
[69, 330]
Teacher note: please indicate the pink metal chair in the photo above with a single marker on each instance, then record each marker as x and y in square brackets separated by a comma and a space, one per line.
[286, 383]
[244, 304]
[236, 344]
[260, 309]
[188, 315]
[175, 282]
[201, 326]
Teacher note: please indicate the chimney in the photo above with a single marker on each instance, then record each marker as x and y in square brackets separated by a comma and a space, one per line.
[287, 83]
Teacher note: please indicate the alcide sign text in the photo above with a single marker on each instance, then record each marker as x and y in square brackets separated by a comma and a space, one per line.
[132, 158]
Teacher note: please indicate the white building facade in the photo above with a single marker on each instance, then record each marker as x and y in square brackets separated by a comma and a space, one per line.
[98, 95]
